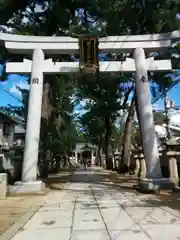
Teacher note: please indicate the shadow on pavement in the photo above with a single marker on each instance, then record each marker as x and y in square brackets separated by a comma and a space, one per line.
[111, 180]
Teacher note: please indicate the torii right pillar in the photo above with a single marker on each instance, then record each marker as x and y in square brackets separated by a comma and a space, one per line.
[153, 180]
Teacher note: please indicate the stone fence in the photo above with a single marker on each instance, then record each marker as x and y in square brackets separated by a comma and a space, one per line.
[10, 169]
[169, 161]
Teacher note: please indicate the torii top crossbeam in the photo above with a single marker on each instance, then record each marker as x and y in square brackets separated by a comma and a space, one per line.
[66, 45]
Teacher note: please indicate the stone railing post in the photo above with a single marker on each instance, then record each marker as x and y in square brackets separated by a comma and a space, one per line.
[3, 185]
[117, 159]
[140, 164]
[137, 164]
[104, 161]
[173, 152]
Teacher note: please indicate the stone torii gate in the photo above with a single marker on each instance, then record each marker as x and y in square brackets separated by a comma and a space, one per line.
[37, 47]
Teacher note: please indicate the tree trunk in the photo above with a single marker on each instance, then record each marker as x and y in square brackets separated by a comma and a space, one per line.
[108, 150]
[98, 156]
[126, 152]
[57, 164]
[99, 151]
[120, 142]
[46, 106]
[65, 160]
[45, 114]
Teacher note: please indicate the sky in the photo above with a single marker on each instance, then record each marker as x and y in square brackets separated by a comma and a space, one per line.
[9, 94]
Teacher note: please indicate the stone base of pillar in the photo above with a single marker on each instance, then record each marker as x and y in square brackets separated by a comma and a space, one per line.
[36, 187]
[150, 185]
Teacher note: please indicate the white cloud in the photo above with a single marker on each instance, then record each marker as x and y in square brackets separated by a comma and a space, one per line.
[23, 85]
[14, 90]
[156, 107]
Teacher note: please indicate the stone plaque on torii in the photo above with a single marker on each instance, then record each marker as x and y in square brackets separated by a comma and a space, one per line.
[38, 47]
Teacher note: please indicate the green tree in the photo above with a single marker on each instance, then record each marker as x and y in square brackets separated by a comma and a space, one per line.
[93, 129]
[126, 150]
[58, 132]
[105, 97]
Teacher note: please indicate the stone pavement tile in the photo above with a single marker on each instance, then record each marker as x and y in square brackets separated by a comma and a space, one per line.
[107, 203]
[164, 217]
[162, 231]
[50, 219]
[86, 198]
[53, 202]
[81, 201]
[135, 202]
[87, 220]
[131, 194]
[124, 201]
[44, 234]
[118, 219]
[141, 214]
[86, 205]
[90, 235]
[102, 195]
[117, 194]
[128, 235]
[63, 206]
[152, 215]
[69, 198]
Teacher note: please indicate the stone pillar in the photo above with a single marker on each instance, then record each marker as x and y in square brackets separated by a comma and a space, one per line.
[1, 134]
[11, 135]
[92, 157]
[150, 145]
[76, 157]
[1, 129]
[30, 162]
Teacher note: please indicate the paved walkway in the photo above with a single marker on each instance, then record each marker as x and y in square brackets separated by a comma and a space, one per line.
[91, 208]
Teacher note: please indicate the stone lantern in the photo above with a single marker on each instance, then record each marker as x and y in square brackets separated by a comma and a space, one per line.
[89, 53]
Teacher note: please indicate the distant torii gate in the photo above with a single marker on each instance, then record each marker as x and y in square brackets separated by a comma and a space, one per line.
[39, 46]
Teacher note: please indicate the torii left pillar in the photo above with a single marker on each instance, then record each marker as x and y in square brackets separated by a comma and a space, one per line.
[30, 162]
